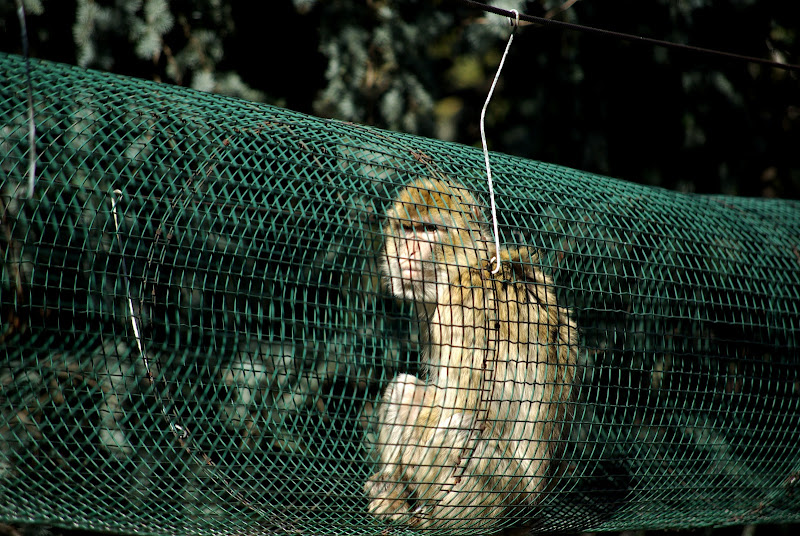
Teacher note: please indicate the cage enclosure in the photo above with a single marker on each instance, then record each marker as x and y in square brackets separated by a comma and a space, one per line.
[212, 360]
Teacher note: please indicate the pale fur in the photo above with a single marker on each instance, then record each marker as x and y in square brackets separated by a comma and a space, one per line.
[483, 432]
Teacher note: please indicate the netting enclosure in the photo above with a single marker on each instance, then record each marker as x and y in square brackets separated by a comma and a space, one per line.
[248, 250]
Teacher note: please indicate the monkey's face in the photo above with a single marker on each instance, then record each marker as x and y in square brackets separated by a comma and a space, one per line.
[413, 259]
[431, 233]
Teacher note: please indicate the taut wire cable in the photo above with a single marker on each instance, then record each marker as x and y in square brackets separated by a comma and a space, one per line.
[630, 37]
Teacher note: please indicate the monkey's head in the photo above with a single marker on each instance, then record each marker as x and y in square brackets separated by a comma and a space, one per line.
[434, 229]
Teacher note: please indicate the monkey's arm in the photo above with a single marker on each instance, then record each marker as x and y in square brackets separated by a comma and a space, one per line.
[421, 446]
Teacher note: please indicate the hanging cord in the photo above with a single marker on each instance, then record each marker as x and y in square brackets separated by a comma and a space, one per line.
[31, 124]
[496, 258]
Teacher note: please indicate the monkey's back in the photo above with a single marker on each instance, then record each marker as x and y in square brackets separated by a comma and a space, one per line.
[503, 347]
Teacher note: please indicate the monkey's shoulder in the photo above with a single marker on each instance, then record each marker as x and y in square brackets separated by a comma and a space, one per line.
[519, 273]
[520, 266]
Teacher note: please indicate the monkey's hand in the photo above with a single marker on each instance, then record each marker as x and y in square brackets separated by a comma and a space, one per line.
[398, 413]
[389, 497]
[430, 473]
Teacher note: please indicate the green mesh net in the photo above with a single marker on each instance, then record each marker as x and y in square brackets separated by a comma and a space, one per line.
[243, 274]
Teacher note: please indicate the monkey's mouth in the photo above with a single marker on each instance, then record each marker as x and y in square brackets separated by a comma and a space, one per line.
[412, 277]
[410, 271]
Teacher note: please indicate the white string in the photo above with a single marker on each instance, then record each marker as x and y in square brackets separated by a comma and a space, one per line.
[134, 320]
[496, 257]
[180, 431]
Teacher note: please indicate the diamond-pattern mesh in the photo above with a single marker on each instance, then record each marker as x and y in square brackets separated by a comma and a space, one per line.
[247, 250]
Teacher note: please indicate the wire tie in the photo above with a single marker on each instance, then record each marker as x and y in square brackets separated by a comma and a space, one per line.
[179, 430]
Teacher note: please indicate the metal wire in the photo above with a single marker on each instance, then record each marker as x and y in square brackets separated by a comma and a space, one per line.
[630, 37]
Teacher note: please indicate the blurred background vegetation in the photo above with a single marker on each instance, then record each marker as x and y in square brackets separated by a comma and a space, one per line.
[680, 120]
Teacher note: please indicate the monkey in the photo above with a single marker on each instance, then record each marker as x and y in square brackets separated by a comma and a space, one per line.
[480, 434]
